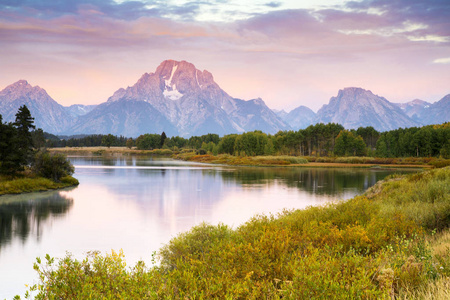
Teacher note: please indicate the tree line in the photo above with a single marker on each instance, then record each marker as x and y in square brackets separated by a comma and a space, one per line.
[319, 140]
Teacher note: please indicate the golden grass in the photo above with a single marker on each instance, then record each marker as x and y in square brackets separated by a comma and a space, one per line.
[109, 151]
[440, 244]
[435, 290]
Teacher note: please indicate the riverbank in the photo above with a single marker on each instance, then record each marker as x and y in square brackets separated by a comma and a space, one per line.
[276, 160]
[321, 162]
[108, 151]
[30, 183]
[391, 242]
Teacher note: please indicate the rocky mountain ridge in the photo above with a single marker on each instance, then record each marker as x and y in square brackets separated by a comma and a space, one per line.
[48, 114]
[187, 98]
[356, 107]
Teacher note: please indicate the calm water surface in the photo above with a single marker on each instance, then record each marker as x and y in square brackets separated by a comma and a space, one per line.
[139, 204]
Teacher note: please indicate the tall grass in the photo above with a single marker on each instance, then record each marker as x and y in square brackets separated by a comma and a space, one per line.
[376, 246]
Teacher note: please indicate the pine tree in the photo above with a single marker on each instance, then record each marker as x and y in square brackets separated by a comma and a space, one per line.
[163, 139]
[23, 138]
[9, 156]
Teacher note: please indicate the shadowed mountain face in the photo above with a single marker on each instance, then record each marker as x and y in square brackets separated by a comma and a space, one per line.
[356, 107]
[77, 110]
[47, 113]
[436, 113]
[300, 117]
[127, 118]
[427, 113]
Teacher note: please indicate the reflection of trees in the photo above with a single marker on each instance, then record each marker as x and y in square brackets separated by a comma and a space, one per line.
[313, 180]
[21, 217]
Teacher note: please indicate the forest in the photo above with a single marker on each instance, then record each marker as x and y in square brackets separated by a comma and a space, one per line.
[320, 140]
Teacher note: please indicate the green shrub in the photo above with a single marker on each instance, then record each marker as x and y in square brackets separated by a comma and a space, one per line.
[69, 180]
[53, 166]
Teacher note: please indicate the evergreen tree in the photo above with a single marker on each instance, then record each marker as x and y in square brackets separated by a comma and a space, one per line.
[10, 160]
[23, 138]
[38, 138]
[163, 139]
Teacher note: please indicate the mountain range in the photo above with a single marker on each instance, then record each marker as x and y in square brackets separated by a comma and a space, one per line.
[182, 100]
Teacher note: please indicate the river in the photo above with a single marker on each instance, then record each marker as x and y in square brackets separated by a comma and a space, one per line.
[139, 203]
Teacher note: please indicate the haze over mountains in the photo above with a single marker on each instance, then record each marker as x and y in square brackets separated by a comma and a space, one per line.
[182, 100]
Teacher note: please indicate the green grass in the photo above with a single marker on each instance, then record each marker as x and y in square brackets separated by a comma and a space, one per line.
[33, 184]
[391, 242]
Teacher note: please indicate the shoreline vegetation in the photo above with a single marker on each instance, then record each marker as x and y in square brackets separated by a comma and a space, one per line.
[31, 183]
[25, 164]
[391, 242]
[264, 160]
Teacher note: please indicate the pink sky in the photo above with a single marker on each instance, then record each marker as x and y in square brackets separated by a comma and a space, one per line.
[289, 53]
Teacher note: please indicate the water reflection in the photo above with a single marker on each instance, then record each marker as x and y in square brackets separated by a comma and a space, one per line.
[22, 216]
[331, 182]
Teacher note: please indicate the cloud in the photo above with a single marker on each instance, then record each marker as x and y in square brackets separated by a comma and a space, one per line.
[273, 4]
[445, 60]
[431, 16]
[322, 48]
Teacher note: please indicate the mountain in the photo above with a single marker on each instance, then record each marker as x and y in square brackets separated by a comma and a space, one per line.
[356, 107]
[47, 113]
[300, 117]
[127, 118]
[190, 100]
[437, 113]
[77, 110]
[414, 109]
[182, 100]
[280, 113]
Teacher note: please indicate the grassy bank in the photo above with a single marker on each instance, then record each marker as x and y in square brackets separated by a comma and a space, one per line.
[338, 162]
[391, 242]
[241, 160]
[267, 160]
[29, 183]
[109, 151]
